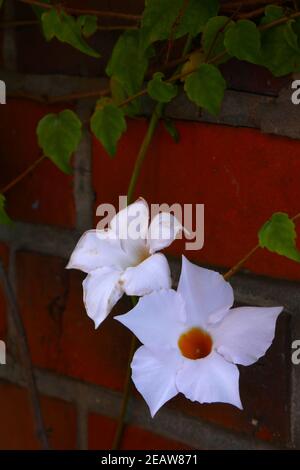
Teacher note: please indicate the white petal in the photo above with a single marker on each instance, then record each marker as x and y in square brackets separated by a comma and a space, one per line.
[154, 376]
[136, 250]
[205, 292]
[101, 291]
[245, 333]
[163, 230]
[98, 248]
[150, 275]
[210, 380]
[157, 320]
[132, 222]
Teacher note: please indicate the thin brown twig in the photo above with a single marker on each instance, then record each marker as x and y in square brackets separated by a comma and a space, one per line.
[60, 98]
[252, 14]
[221, 30]
[238, 266]
[22, 175]
[25, 359]
[296, 217]
[118, 27]
[20, 23]
[78, 95]
[28, 96]
[249, 3]
[78, 11]
[280, 21]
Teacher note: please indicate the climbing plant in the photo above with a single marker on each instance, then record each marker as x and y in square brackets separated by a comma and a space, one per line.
[174, 46]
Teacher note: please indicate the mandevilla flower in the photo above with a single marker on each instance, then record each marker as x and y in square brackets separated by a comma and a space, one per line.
[192, 340]
[123, 258]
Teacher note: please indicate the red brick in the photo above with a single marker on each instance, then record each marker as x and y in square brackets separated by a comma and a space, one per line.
[61, 336]
[62, 339]
[102, 430]
[46, 195]
[241, 175]
[17, 425]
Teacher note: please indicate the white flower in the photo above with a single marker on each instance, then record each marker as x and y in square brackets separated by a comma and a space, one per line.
[192, 340]
[123, 258]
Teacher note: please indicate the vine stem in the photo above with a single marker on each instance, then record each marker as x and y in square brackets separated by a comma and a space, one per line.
[22, 175]
[239, 265]
[156, 115]
[78, 11]
[130, 194]
[126, 391]
[25, 358]
[181, 75]
[78, 95]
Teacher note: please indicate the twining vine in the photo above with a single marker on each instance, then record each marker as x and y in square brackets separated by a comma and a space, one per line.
[149, 59]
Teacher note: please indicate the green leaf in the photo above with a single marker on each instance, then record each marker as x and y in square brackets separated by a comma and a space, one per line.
[1, 3]
[213, 37]
[161, 91]
[195, 16]
[4, 218]
[279, 51]
[59, 136]
[272, 13]
[158, 19]
[127, 67]
[290, 36]
[172, 130]
[243, 41]
[163, 19]
[88, 24]
[206, 87]
[40, 10]
[108, 124]
[279, 236]
[66, 29]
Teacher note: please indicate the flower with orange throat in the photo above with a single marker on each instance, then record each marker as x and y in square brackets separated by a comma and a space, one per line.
[193, 339]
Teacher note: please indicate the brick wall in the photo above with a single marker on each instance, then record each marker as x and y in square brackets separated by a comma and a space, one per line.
[242, 167]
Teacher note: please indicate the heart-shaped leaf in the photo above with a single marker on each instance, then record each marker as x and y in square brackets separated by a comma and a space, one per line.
[59, 136]
[108, 124]
[279, 236]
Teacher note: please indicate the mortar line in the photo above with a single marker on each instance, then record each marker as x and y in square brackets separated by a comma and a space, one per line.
[9, 47]
[168, 423]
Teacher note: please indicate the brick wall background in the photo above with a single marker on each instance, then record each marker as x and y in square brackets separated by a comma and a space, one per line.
[243, 167]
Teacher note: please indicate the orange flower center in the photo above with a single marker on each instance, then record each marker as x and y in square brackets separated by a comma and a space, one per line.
[195, 344]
